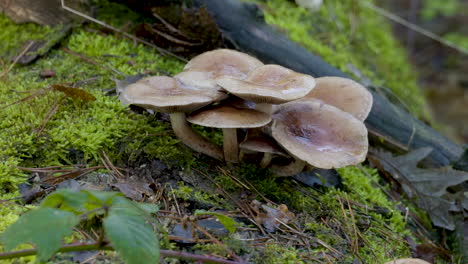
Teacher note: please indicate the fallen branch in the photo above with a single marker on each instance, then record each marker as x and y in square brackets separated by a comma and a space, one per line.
[96, 246]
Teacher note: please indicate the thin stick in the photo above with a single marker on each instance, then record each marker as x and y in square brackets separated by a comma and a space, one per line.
[414, 27]
[26, 49]
[94, 246]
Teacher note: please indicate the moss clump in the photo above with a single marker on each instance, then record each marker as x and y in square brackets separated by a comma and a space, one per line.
[185, 192]
[12, 40]
[276, 253]
[350, 36]
[78, 131]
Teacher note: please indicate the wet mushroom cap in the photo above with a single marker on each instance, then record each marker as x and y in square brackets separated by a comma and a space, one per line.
[203, 69]
[227, 116]
[320, 134]
[271, 84]
[166, 94]
[344, 94]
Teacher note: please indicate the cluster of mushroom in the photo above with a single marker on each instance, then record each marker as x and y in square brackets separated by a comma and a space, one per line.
[315, 122]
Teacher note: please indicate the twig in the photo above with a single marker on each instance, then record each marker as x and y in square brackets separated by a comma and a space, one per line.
[414, 27]
[95, 246]
[89, 60]
[40, 92]
[110, 166]
[26, 49]
[49, 115]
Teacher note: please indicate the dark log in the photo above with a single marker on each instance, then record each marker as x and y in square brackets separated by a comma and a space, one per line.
[244, 26]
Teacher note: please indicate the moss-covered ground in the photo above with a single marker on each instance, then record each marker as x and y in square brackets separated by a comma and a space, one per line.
[32, 134]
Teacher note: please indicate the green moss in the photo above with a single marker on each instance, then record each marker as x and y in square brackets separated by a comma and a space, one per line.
[10, 32]
[346, 33]
[79, 131]
[185, 192]
[380, 242]
[276, 253]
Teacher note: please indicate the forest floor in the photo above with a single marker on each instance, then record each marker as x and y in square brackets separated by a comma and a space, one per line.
[103, 145]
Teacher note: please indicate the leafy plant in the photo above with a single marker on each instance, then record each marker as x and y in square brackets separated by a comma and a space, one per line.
[124, 225]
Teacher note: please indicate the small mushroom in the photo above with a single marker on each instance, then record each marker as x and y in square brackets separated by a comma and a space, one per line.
[344, 94]
[320, 134]
[264, 145]
[203, 69]
[271, 84]
[229, 118]
[166, 94]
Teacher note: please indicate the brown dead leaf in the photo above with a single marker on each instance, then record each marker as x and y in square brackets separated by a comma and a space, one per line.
[271, 218]
[428, 187]
[75, 93]
[134, 190]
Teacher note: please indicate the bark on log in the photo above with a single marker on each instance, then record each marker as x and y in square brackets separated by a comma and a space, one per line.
[244, 26]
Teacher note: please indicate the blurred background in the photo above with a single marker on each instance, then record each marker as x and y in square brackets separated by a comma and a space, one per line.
[435, 35]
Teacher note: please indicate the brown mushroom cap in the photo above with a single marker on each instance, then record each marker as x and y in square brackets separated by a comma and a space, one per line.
[166, 94]
[203, 69]
[262, 144]
[344, 94]
[320, 134]
[228, 116]
[272, 84]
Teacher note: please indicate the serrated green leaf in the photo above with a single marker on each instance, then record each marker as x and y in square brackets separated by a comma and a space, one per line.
[122, 205]
[229, 223]
[148, 208]
[43, 227]
[131, 236]
[67, 200]
[102, 198]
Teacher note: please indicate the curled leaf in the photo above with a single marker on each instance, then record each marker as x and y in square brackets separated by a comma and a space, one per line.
[75, 93]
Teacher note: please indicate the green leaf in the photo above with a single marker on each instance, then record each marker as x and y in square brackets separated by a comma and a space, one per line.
[102, 198]
[44, 227]
[148, 208]
[130, 235]
[67, 200]
[229, 223]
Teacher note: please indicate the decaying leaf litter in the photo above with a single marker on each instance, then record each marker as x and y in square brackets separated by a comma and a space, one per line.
[248, 213]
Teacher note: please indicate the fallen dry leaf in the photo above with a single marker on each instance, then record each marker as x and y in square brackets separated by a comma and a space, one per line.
[271, 218]
[428, 187]
[75, 93]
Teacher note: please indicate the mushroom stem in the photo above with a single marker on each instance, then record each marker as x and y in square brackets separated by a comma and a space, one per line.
[267, 156]
[230, 145]
[291, 169]
[193, 140]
